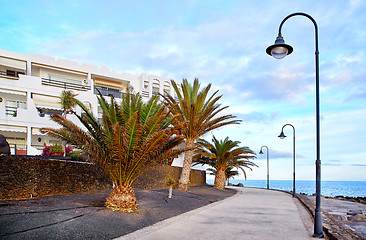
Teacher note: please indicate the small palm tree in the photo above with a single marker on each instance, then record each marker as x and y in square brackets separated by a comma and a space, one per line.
[170, 183]
[229, 172]
[67, 101]
[132, 137]
[199, 113]
[221, 155]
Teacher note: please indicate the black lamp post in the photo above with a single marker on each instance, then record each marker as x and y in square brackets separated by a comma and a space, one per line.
[280, 50]
[261, 152]
[282, 136]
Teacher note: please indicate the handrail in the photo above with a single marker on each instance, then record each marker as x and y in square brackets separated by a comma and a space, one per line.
[11, 111]
[58, 83]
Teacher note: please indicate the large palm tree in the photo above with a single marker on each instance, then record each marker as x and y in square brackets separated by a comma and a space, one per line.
[132, 137]
[221, 155]
[199, 113]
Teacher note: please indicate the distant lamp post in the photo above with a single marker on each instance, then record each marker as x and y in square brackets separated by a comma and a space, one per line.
[282, 136]
[280, 50]
[261, 152]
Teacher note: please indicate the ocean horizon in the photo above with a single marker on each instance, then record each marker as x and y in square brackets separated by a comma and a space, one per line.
[328, 188]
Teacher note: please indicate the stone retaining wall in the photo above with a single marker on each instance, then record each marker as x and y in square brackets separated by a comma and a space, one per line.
[156, 177]
[22, 177]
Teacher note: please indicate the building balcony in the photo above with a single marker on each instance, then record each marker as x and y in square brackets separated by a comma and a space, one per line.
[11, 74]
[65, 84]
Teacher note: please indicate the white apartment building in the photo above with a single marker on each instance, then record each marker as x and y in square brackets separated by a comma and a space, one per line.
[30, 86]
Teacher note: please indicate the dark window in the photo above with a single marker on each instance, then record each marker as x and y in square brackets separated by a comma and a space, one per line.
[10, 73]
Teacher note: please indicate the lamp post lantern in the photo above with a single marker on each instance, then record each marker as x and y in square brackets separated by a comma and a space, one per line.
[282, 136]
[280, 50]
[261, 152]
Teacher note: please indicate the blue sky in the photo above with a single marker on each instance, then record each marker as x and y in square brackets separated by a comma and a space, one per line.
[223, 43]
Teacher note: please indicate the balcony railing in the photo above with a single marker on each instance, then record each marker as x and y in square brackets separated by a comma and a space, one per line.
[66, 85]
[145, 94]
[11, 74]
[11, 111]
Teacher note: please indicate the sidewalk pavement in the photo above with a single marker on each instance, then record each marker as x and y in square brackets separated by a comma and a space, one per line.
[250, 214]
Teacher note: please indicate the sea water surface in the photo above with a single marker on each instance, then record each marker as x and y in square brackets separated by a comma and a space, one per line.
[328, 188]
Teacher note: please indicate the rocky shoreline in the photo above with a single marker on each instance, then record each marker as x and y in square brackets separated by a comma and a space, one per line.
[343, 217]
[341, 197]
[352, 199]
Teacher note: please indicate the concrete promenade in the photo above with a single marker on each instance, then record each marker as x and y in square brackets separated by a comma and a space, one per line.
[250, 214]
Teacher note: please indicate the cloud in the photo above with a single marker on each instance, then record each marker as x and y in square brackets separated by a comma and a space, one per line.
[359, 165]
[274, 154]
[259, 117]
[332, 164]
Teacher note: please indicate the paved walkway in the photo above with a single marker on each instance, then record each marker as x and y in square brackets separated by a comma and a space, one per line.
[250, 214]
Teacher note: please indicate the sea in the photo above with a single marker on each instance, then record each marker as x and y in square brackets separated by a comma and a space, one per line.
[328, 188]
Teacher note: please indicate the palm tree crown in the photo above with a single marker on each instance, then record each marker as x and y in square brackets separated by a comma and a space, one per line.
[222, 155]
[199, 113]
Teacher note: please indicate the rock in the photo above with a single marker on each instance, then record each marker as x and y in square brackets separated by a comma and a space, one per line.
[357, 218]
[4, 146]
[240, 185]
[353, 213]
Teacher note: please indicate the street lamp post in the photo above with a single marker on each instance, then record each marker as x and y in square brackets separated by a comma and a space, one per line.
[282, 136]
[280, 50]
[261, 152]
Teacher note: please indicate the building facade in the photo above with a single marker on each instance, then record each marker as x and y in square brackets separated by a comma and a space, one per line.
[30, 87]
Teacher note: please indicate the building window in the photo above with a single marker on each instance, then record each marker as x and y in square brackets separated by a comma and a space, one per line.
[155, 90]
[108, 91]
[166, 88]
[11, 107]
[17, 145]
[155, 87]
[146, 84]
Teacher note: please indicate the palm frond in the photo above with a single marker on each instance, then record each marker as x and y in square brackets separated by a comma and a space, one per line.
[223, 154]
[132, 137]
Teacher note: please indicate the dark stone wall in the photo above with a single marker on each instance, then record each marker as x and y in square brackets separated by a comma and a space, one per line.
[22, 177]
[156, 177]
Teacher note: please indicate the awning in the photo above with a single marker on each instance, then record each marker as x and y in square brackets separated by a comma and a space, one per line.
[37, 131]
[109, 84]
[48, 102]
[59, 69]
[8, 128]
[49, 107]
[17, 64]
[13, 92]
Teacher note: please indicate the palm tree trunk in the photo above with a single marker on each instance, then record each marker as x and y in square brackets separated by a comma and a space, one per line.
[170, 191]
[220, 179]
[186, 170]
[122, 199]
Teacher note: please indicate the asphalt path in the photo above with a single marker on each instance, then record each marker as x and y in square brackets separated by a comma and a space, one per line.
[250, 214]
[83, 215]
